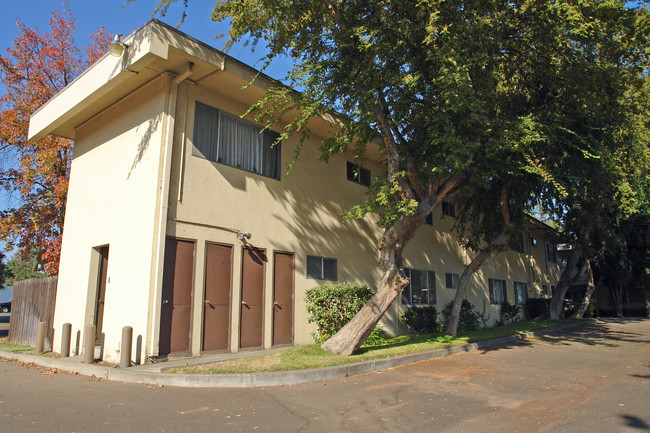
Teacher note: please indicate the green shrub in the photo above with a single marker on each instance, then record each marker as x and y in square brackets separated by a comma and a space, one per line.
[536, 307]
[331, 306]
[421, 319]
[468, 320]
[377, 337]
[510, 313]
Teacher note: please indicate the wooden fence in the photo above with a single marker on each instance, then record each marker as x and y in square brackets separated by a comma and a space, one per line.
[33, 302]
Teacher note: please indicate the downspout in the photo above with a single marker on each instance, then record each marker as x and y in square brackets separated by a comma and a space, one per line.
[160, 229]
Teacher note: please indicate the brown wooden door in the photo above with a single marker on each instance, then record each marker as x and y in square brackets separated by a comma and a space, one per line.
[283, 298]
[176, 308]
[216, 303]
[252, 298]
[101, 293]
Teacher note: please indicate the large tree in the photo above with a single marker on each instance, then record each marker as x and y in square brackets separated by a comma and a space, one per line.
[604, 192]
[456, 94]
[35, 175]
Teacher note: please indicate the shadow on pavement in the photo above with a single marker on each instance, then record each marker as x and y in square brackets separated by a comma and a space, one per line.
[635, 422]
[592, 334]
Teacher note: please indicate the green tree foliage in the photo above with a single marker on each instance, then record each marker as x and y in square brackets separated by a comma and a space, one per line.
[456, 95]
[332, 306]
[19, 269]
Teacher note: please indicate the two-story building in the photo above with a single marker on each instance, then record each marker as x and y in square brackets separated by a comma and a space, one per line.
[183, 222]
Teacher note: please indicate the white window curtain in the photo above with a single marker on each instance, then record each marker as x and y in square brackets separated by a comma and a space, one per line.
[240, 144]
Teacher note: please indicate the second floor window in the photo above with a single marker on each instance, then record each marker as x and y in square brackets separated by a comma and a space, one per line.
[358, 174]
[448, 209]
[516, 242]
[550, 253]
[229, 140]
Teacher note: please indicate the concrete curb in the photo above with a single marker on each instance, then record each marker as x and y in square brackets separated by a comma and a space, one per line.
[246, 380]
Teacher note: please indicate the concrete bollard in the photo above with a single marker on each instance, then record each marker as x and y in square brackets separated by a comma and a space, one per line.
[89, 344]
[40, 336]
[127, 342]
[65, 340]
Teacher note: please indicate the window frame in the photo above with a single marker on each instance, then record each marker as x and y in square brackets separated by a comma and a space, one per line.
[516, 242]
[450, 276]
[491, 288]
[520, 285]
[323, 261]
[430, 287]
[552, 258]
[267, 145]
[448, 209]
[358, 174]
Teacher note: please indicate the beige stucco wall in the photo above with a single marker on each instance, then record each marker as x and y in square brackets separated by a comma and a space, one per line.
[112, 201]
[301, 213]
[115, 199]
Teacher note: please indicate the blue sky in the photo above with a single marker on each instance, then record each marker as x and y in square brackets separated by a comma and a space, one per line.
[120, 18]
[90, 14]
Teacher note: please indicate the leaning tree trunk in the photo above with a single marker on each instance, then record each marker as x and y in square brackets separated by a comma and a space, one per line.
[616, 292]
[580, 312]
[463, 281]
[349, 338]
[566, 279]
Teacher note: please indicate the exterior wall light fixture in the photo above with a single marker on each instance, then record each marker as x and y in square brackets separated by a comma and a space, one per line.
[117, 46]
[242, 236]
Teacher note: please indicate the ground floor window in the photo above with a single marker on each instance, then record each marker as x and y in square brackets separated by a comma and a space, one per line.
[421, 288]
[451, 281]
[322, 268]
[521, 293]
[497, 291]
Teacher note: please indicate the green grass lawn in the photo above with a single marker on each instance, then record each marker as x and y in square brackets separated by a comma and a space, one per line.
[312, 356]
[6, 346]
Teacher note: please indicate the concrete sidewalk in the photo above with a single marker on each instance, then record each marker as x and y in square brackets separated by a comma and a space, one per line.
[155, 374]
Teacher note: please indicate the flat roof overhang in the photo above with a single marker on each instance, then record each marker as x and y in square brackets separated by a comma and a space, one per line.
[153, 49]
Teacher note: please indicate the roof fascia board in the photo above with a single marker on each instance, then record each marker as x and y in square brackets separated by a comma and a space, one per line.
[144, 46]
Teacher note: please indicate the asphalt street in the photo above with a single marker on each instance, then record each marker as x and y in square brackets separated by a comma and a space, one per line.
[594, 378]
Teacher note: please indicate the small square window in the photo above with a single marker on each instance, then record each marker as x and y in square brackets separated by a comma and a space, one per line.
[448, 209]
[358, 174]
[428, 220]
[322, 268]
[451, 281]
[533, 242]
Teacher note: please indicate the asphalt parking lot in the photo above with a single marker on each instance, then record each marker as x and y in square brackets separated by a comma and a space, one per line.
[595, 378]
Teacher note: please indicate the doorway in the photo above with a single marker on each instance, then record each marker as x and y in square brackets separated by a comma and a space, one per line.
[283, 298]
[216, 301]
[176, 307]
[102, 273]
[252, 298]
